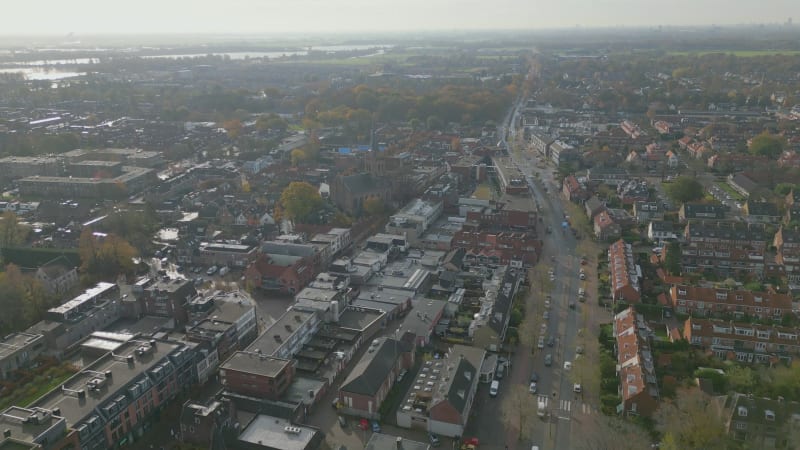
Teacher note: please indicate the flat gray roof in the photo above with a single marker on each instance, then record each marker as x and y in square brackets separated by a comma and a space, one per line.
[380, 441]
[286, 326]
[359, 319]
[12, 419]
[257, 364]
[16, 341]
[272, 431]
[74, 409]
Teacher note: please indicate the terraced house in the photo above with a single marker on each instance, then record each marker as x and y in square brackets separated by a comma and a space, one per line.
[726, 248]
[743, 342]
[701, 301]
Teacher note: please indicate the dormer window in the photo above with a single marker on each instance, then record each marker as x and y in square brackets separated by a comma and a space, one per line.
[741, 411]
[769, 415]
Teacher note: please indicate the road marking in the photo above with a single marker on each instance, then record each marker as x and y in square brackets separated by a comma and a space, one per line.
[566, 405]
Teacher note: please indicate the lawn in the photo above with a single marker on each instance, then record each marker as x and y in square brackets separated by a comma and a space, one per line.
[727, 188]
[27, 393]
[483, 192]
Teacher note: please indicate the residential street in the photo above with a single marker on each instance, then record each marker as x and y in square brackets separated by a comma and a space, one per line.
[562, 426]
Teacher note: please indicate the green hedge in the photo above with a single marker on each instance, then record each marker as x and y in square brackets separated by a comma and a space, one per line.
[29, 257]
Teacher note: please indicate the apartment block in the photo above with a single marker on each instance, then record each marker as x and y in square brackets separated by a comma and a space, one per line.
[743, 342]
[727, 248]
[702, 301]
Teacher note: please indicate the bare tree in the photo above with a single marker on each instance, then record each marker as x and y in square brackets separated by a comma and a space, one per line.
[518, 409]
[692, 421]
[612, 433]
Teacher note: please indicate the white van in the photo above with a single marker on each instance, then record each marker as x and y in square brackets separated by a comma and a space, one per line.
[494, 388]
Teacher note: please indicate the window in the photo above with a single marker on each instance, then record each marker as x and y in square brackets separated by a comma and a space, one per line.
[741, 426]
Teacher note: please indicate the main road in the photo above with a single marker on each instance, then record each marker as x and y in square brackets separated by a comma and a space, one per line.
[556, 382]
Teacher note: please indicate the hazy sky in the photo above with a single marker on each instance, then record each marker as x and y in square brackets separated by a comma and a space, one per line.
[268, 16]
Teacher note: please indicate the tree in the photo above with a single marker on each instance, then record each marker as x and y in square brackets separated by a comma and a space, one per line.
[298, 156]
[233, 127]
[685, 189]
[741, 379]
[783, 188]
[11, 232]
[271, 122]
[769, 145]
[23, 299]
[104, 258]
[519, 410]
[299, 200]
[434, 123]
[672, 259]
[611, 433]
[374, 206]
[691, 422]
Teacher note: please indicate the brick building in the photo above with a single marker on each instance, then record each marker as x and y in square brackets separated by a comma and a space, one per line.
[743, 342]
[624, 273]
[727, 248]
[257, 375]
[701, 301]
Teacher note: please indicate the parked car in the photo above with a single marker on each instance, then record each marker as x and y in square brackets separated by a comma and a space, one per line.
[401, 375]
[532, 388]
[342, 421]
[534, 377]
[577, 388]
[376, 427]
[551, 341]
[548, 360]
[434, 440]
[363, 424]
[494, 388]
[540, 344]
[211, 270]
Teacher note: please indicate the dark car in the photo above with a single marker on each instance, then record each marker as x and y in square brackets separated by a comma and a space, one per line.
[551, 341]
[534, 377]
[434, 440]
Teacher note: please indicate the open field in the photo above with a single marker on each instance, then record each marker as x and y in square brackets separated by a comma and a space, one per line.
[727, 188]
[739, 53]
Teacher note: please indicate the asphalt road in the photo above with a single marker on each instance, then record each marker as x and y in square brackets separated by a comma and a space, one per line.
[565, 409]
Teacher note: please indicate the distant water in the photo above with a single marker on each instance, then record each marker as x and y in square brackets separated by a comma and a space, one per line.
[43, 74]
[43, 69]
[233, 55]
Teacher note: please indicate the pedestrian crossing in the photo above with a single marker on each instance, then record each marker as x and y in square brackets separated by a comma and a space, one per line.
[566, 406]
